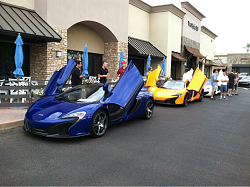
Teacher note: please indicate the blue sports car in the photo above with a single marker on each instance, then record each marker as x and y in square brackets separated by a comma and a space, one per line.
[88, 109]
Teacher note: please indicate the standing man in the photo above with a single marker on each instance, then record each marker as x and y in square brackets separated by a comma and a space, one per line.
[76, 78]
[103, 73]
[161, 75]
[236, 81]
[223, 88]
[214, 83]
[231, 78]
[122, 69]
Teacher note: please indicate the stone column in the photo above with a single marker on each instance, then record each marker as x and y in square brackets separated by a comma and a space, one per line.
[111, 55]
[43, 60]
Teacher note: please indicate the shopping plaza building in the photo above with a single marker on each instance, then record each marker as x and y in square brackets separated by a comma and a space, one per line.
[54, 31]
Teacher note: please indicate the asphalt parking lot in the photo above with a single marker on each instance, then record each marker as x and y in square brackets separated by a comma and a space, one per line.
[205, 143]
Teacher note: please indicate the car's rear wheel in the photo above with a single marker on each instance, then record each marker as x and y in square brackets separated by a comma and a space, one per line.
[185, 102]
[99, 124]
[149, 108]
[201, 96]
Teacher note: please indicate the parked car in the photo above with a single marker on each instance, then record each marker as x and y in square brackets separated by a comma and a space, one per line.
[245, 81]
[89, 109]
[208, 88]
[241, 75]
[177, 92]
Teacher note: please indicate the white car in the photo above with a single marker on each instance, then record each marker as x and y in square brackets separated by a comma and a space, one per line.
[208, 88]
[241, 75]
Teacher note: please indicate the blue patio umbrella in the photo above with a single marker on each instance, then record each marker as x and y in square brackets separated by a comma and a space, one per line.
[71, 64]
[85, 62]
[19, 57]
[121, 59]
[164, 65]
[148, 64]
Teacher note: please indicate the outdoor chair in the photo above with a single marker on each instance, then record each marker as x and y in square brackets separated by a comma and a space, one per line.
[47, 81]
[5, 92]
[15, 91]
[34, 83]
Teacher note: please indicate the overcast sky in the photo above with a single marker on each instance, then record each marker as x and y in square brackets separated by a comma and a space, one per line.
[228, 19]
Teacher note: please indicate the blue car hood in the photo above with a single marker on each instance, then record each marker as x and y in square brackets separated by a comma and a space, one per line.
[127, 88]
[59, 78]
[51, 110]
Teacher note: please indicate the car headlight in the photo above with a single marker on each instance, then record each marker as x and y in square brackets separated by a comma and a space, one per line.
[80, 115]
[178, 94]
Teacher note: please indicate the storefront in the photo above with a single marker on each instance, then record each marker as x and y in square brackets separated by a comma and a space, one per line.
[134, 27]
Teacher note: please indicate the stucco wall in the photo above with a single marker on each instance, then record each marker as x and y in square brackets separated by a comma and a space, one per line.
[23, 3]
[207, 46]
[189, 32]
[79, 35]
[138, 23]
[111, 13]
[166, 36]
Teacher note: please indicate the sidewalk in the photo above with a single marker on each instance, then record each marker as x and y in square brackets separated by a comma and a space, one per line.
[11, 118]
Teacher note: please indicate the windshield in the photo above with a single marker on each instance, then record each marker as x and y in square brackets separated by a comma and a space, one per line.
[176, 85]
[243, 74]
[83, 94]
[245, 78]
[208, 82]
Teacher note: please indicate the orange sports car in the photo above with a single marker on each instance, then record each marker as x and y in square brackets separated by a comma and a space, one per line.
[177, 92]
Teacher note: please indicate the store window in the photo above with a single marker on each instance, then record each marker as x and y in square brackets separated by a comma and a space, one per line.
[7, 60]
[95, 61]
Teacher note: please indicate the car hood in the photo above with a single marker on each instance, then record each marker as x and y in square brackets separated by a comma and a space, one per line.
[161, 92]
[51, 112]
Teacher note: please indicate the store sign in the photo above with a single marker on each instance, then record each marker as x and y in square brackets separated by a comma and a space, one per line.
[244, 59]
[193, 26]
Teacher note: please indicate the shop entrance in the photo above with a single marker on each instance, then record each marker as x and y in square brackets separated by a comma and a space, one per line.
[139, 63]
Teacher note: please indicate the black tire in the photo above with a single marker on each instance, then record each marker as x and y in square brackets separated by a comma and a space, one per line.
[149, 109]
[202, 95]
[185, 102]
[99, 124]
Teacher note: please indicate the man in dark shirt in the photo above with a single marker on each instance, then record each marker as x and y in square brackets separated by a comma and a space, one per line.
[103, 73]
[231, 78]
[76, 74]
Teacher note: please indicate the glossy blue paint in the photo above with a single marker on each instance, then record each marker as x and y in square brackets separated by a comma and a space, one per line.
[48, 112]
[61, 80]
[127, 88]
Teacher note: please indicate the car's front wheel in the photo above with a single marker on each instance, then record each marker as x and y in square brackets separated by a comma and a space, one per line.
[99, 124]
[201, 96]
[149, 108]
[185, 102]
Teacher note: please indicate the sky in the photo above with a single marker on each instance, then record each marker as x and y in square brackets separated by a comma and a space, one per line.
[228, 19]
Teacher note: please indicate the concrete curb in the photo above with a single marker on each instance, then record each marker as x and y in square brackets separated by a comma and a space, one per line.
[11, 125]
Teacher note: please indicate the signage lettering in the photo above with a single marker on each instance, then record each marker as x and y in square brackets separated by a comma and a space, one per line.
[193, 26]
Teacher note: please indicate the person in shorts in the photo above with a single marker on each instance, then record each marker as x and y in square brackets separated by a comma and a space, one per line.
[231, 78]
[223, 88]
[236, 81]
[214, 83]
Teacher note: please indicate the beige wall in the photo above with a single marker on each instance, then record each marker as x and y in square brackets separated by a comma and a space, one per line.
[207, 46]
[23, 3]
[189, 32]
[79, 35]
[111, 14]
[166, 36]
[138, 23]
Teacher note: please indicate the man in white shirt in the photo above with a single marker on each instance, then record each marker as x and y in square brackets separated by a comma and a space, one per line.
[223, 88]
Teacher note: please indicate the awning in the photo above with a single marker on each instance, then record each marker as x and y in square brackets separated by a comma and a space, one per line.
[219, 63]
[28, 23]
[194, 51]
[177, 57]
[144, 48]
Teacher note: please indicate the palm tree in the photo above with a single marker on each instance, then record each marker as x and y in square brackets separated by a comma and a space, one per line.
[247, 47]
